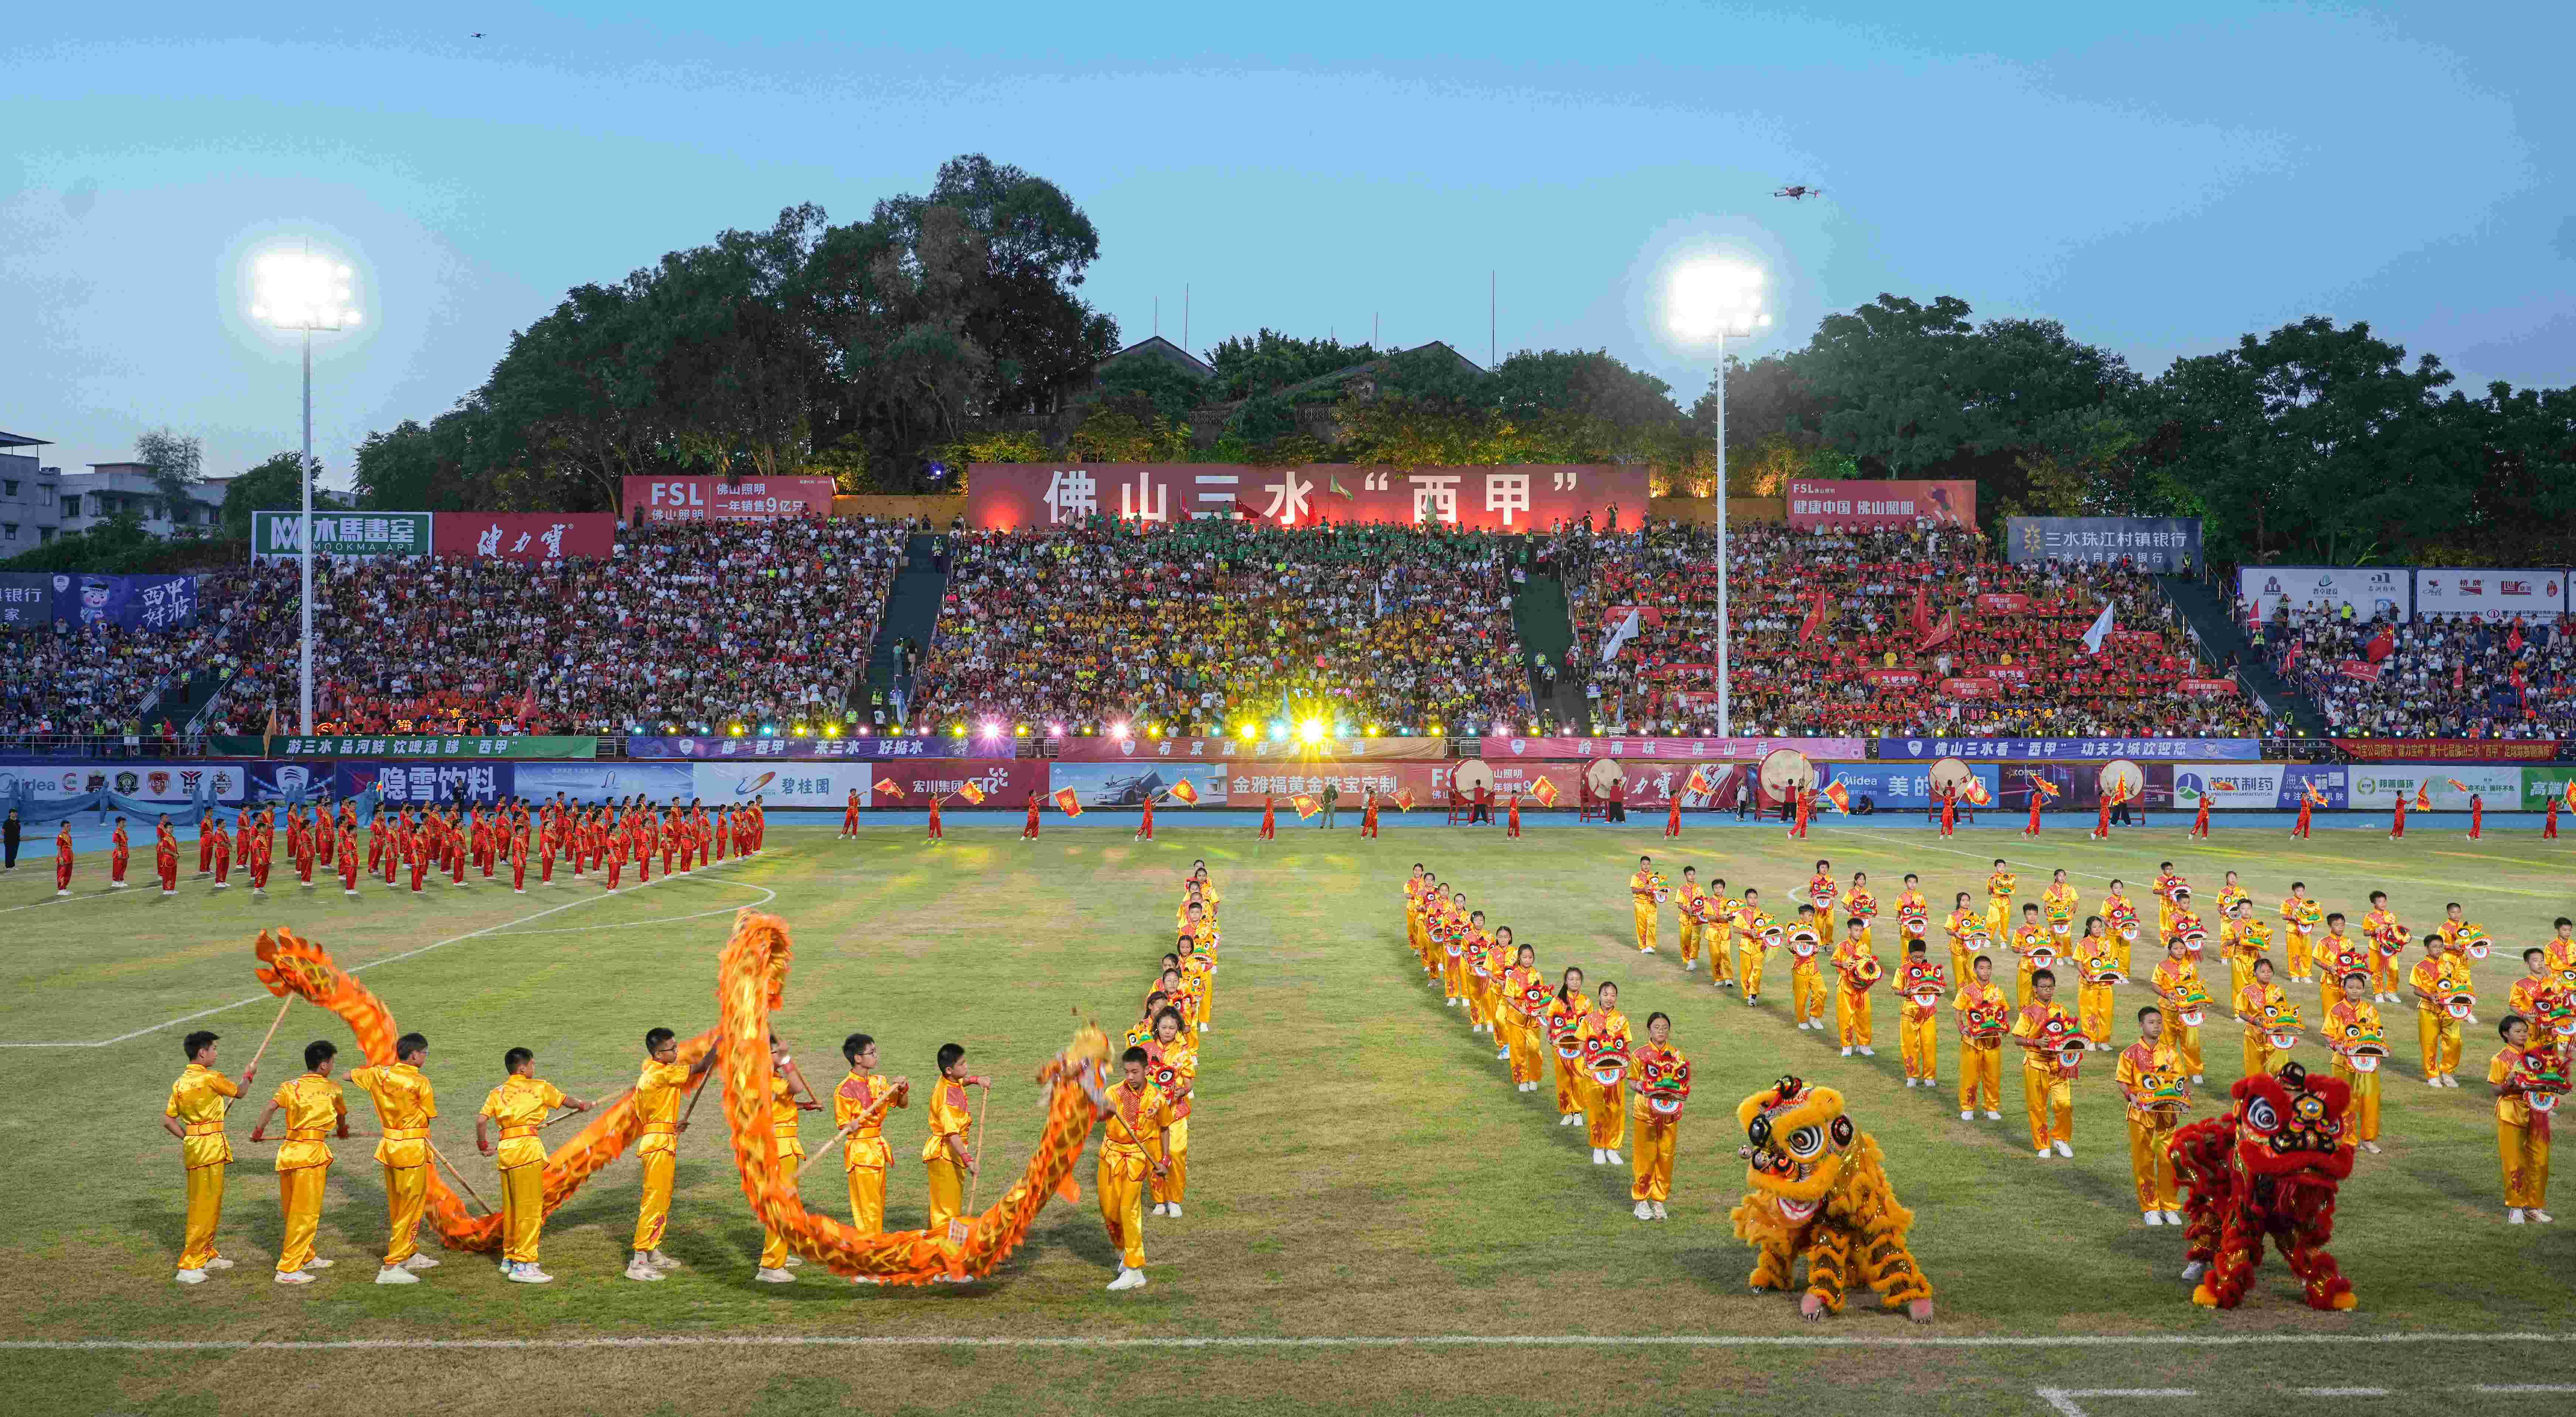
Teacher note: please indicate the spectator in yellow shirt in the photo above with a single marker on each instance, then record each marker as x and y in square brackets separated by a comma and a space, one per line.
[405, 1106]
[657, 1113]
[2521, 1144]
[519, 1106]
[315, 1111]
[195, 1115]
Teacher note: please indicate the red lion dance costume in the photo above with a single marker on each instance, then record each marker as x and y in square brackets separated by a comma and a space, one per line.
[2269, 1167]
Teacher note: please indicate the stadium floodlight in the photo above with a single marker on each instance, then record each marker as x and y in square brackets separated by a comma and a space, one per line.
[1310, 732]
[1708, 301]
[1118, 731]
[1055, 730]
[303, 291]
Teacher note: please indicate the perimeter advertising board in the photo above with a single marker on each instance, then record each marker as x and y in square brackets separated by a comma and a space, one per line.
[2532, 594]
[2370, 591]
[1530, 497]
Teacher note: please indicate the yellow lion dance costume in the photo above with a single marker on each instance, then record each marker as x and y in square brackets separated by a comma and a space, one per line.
[1820, 1191]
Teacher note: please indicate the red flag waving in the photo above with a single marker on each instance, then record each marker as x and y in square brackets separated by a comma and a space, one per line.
[1306, 806]
[1068, 802]
[1404, 799]
[1922, 610]
[2423, 797]
[1545, 791]
[1184, 793]
[2315, 796]
[1699, 783]
[1941, 633]
[972, 792]
[1976, 792]
[1815, 617]
[2456, 784]
[2381, 645]
[2046, 789]
[889, 787]
[1835, 794]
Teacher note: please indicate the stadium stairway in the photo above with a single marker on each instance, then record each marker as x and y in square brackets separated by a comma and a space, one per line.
[1545, 627]
[911, 613]
[2221, 637]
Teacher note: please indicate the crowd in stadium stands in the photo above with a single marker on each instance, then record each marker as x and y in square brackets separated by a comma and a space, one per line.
[1200, 625]
[697, 626]
[1854, 632]
[2453, 677]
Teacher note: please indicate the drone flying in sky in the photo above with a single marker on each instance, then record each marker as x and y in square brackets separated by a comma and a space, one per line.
[1799, 191]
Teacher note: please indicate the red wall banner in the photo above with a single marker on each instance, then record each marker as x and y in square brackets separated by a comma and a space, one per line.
[1006, 783]
[1132, 749]
[1531, 497]
[2449, 750]
[724, 499]
[1815, 503]
[2208, 688]
[1977, 688]
[2003, 603]
[1893, 678]
[524, 536]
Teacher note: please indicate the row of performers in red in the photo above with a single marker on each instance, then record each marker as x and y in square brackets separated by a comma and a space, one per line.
[432, 840]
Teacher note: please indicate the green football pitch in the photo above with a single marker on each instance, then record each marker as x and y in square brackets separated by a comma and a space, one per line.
[1376, 1219]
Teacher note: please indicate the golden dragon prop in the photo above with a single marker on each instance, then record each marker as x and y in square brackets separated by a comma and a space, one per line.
[751, 983]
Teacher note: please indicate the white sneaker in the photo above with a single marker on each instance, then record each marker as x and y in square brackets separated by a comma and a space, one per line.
[2195, 1077]
[1173, 1210]
[1502, 1053]
[773, 1276]
[662, 1261]
[1931, 1082]
[528, 1273]
[1968, 1115]
[2042, 1153]
[1602, 1158]
[1644, 1210]
[1690, 966]
[2513, 1217]
[396, 1274]
[419, 1261]
[2540, 1217]
[1909, 1082]
[318, 1262]
[2155, 1217]
[2434, 1081]
[864, 1278]
[190, 1276]
[1128, 1279]
[1614, 1157]
[219, 1262]
[2195, 1269]
[2173, 1217]
[641, 1268]
[1847, 1050]
[1868, 1052]
[2063, 1149]
[1993, 1115]
[1157, 1210]
[1659, 1211]
[795, 1261]
[300, 1277]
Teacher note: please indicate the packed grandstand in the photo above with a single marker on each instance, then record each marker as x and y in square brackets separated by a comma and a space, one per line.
[1205, 627]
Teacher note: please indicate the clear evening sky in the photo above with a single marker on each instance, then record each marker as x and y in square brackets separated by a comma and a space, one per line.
[2160, 178]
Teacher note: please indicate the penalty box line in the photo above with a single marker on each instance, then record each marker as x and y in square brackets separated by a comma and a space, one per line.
[2036, 1341]
[494, 929]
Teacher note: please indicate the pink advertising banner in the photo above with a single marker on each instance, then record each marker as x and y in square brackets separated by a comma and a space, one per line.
[1816, 503]
[1682, 750]
[1531, 497]
[525, 536]
[724, 499]
[1132, 749]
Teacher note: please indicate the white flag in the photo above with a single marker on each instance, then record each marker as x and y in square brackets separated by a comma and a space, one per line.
[1619, 638]
[2101, 627]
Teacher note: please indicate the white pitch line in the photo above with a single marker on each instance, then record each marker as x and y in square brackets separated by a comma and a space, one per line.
[2062, 1399]
[502, 928]
[2340, 1392]
[1472, 1340]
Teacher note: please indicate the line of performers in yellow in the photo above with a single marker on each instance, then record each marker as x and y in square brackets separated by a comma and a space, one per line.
[1484, 972]
[1145, 1144]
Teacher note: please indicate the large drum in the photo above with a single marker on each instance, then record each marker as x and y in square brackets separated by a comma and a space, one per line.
[1784, 769]
[1951, 777]
[2123, 780]
[1471, 775]
[1604, 774]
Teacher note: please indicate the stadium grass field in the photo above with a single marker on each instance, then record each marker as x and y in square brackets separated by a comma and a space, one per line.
[1376, 1217]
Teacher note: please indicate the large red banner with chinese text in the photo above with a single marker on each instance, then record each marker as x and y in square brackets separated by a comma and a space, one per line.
[724, 499]
[1847, 503]
[524, 536]
[1533, 497]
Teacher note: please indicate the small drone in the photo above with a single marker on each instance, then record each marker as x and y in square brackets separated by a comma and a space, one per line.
[1799, 191]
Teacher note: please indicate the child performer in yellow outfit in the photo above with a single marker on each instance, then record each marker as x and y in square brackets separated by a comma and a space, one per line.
[1723, 914]
[1175, 1052]
[1752, 948]
[2522, 1140]
[2176, 980]
[658, 1086]
[1605, 1109]
[2095, 951]
[1963, 926]
[2350, 1023]
[2000, 885]
[1641, 888]
[1658, 1133]
[1813, 934]
[1980, 1008]
[519, 1105]
[315, 1111]
[1857, 969]
[1917, 1020]
[2299, 917]
[1566, 1015]
[2438, 976]
[1134, 1142]
[788, 1095]
[2339, 954]
[2154, 1116]
[1522, 1033]
[1687, 903]
[2260, 1056]
[946, 1150]
[405, 1106]
[865, 1098]
[2047, 1084]
[195, 1115]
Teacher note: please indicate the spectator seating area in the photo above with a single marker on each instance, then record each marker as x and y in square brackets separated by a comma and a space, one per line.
[1200, 626]
[2453, 677]
[692, 627]
[1902, 611]
[97, 682]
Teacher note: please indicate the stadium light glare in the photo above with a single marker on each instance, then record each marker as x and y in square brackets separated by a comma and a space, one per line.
[735, 730]
[992, 730]
[1020, 730]
[957, 730]
[1118, 731]
[1153, 730]
[1372, 730]
[1310, 732]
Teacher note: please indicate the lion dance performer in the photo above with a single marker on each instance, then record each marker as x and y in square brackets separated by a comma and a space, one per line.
[1820, 1192]
[2271, 1166]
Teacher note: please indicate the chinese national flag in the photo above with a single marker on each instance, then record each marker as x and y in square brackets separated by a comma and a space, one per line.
[1068, 802]
[1545, 791]
[2423, 797]
[1184, 793]
[973, 794]
[1404, 799]
[2381, 645]
[1306, 806]
[889, 787]
[1699, 783]
[1835, 794]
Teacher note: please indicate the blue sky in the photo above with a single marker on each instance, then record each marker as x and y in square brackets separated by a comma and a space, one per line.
[2160, 190]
